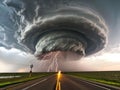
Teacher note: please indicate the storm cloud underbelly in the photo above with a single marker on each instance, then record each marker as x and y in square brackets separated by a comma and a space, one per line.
[81, 33]
[67, 29]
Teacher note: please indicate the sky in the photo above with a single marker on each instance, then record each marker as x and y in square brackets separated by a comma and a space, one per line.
[15, 59]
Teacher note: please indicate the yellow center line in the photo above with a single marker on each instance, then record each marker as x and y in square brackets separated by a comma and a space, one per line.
[58, 85]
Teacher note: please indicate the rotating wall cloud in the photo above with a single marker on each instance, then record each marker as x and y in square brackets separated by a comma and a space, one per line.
[64, 32]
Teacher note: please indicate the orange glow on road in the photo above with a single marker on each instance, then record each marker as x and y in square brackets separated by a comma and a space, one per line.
[58, 85]
[59, 75]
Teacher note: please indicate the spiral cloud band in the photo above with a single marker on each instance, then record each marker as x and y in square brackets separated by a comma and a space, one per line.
[67, 29]
[67, 32]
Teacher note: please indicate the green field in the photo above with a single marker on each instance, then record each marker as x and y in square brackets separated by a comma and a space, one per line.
[23, 77]
[106, 77]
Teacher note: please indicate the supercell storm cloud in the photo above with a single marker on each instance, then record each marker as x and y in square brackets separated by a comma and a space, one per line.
[46, 27]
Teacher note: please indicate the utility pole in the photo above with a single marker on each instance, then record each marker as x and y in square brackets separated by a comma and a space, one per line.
[31, 66]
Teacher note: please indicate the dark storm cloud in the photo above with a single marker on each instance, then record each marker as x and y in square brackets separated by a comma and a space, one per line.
[42, 26]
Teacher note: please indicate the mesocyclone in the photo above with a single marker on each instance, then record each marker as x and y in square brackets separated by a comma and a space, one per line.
[69, 29]
[47, 27]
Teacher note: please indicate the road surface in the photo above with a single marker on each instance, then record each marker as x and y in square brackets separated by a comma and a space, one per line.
[66, 82]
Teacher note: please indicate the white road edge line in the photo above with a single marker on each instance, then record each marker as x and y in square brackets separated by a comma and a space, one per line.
[97, 85]
[34, 84]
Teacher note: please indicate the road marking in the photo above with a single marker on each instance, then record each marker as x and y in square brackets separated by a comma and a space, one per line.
[34, 84]
[97, 85]
[58, 85]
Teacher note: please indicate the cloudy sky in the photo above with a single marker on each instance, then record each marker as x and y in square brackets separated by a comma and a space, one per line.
[16, 60]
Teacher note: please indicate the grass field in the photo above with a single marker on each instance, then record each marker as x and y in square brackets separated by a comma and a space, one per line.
[106, 77]
[21, 77]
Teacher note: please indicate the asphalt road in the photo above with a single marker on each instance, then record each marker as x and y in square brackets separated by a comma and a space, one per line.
[66, 83]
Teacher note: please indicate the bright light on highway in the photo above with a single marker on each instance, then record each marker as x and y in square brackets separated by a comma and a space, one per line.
[59, 75]
[58, 86]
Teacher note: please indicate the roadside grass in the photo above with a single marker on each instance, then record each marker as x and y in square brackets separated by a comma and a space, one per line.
[107, 82]
[24, 77]
[105, 77]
